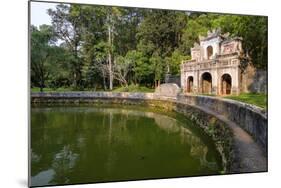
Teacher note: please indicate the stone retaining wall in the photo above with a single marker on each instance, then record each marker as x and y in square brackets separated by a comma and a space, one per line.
[251, 118]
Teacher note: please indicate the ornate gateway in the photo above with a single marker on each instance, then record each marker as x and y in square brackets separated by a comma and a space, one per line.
[215, 66]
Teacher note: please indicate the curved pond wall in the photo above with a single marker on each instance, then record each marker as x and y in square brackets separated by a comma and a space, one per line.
[212, 114]
[249, 117]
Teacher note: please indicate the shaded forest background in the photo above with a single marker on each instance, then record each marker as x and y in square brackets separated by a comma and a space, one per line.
[103, 48]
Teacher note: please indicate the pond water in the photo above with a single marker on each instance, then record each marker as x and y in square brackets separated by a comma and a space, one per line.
[86, 144]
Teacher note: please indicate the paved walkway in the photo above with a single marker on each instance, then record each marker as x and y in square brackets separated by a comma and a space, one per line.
[248, 154]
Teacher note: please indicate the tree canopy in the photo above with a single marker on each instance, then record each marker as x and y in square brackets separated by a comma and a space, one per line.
[100, 47]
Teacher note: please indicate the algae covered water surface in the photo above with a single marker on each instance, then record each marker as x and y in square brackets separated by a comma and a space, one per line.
[85, 144]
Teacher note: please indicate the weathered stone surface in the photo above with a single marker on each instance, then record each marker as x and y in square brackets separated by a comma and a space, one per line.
[214, 67]
[219, 56]
[259, 82]
[173, 79]
[168, 90]
[249, 117]
[84, 95]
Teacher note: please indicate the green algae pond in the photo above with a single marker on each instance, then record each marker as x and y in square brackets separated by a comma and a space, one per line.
[88, 144]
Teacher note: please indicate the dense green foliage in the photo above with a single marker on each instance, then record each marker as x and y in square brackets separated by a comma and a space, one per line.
[98, 47]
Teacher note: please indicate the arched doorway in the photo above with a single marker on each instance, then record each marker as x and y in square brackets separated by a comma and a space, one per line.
[206, 83]
[190, 84]
[226, 84]
[209, 52]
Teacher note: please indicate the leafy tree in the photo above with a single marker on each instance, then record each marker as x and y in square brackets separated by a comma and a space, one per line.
[253, 30]
[141, 69]
[197, 24]
[59, 68]
[126, 29]
[162, 30]
[41, 54]
[159, 34]
[158, 68]
[97, 46]
[174, 62]
[66, 20]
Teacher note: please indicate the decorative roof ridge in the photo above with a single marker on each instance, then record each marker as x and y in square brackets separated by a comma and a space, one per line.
[226, 37]
[211, 34]
[230, 39]
[196, 46]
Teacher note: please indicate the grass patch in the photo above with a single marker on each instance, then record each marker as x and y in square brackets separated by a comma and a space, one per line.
[134, 88]
[37, 89]
[61, 89]
[131, 88]
[258, 99]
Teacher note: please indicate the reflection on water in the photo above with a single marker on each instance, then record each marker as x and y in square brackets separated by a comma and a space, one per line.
[91, 144]
[43, 177]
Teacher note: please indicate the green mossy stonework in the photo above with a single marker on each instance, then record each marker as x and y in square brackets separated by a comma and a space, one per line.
[215, 128]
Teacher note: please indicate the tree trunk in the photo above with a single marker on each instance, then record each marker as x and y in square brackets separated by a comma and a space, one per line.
[109, 54]
[104, 82]
[42, 78]
[74, 80]
[77, 68]
[126, 84]
[110, 71]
